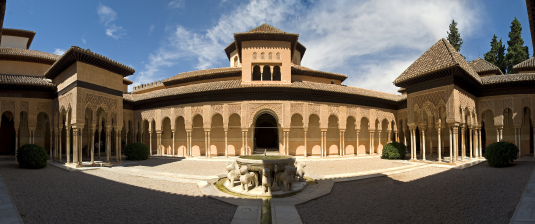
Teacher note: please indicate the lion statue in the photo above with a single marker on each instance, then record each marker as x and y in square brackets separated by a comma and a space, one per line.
[233, 173]
[286, 178]
[300, 173]
[247, 178]
[266, 181]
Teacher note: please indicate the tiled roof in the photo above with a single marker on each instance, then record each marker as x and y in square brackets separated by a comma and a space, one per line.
[527, 65]
[17, 54]
[127, 81]
[440, 56]
[203, 74]
[25, 80]
[302, 70]
[507, 78]
[265, 28]
[75, 53]
[20, 33]
[236, 84]
[482, 66]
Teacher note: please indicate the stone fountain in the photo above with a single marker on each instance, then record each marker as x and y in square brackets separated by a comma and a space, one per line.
[265, 175]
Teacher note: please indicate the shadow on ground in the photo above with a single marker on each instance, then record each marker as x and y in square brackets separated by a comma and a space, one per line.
[480, 194]
[53, 195]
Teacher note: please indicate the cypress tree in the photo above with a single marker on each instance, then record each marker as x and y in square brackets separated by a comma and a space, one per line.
[454, 37]
[516, 51]
[496, 55]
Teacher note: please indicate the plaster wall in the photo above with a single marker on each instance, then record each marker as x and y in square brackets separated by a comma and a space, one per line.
[259, 47]
[23, 68]
[14, 42]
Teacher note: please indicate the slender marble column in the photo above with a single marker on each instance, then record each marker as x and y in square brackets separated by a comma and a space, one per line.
[357, 146]
[99, 141]
[439, 138]
[340, 152]
[456, 142]
[68, 145]
[80, 145]
[246, 143]
[305, 154]
[226, 144]
[471, 144]
[371, 143]
[423, 143]
[75, 146]
[91, 146]
[451, 144]
[463, 143]
[173, 149]
[108, 144]
[118, 143]
[343, 143]
[150, 143]
[209, 146]
[480, 143]
[159, 143]
[59, 145]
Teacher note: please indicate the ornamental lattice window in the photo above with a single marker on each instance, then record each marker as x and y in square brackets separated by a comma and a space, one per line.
[254, 55]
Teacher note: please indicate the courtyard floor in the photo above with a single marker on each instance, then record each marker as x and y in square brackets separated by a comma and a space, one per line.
[479, 194]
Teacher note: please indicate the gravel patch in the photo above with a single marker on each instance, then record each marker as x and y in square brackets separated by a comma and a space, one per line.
[330, 167]
[191, 167]
[53, 195]
[480, 194]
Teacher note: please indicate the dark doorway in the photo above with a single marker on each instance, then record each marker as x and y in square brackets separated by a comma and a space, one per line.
[266, 133]
[7, 134]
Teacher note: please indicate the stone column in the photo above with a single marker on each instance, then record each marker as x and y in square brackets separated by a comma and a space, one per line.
[16, 141]
[75, 145]
[99, 140]
[413, 144]
[243, 142]
[439, 138]
[388, 137]
[92, 146]
[470, 133]
[501, 133]
[118, 143]
[343, 143]
[173, 149]
[108, 144]
[68, 144]
[357, 146]
[423, 144]
[480, 143]
[150, 143]
[463, 143]
[497, 134]
[226, 143]
[208, 149]
[456, 142]
[80, 144]
[305, 154]
[451, 143]
[50, 143]
[159, 143]
[247, 143]
[59, 145]
[405, 137]
[340, 151]
[56, 141]
[372, 139]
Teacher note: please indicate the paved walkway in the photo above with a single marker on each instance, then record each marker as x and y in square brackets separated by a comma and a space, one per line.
[8, 211]
[525, 211]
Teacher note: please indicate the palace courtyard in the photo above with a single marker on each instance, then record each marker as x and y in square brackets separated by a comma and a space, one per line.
[125, 194]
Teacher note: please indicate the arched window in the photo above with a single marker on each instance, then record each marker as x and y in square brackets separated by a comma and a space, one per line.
[262, 56]
[256, 73]
[254, 55]
[236, 61]
[270, 56]
[278, 56]
[266, 74]
[276, 73]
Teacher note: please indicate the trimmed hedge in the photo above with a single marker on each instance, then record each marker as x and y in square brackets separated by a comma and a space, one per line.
[32, 156]
[394, 150]
[501, 154]
[136, 151]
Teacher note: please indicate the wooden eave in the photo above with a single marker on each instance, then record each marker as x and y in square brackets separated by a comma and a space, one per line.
[301, 49]
[321, 74]
[202, 77]
[230, 48]
[75, 54]
[20, 33]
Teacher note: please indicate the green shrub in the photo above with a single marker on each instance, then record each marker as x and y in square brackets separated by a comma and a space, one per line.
[394, 150]
[136, 151]
[390, 152]
[500, 154]
[32, 156]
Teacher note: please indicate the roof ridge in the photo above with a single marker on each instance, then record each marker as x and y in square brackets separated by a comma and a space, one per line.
[446, 43]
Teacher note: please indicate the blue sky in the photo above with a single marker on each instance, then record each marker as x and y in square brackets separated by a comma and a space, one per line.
[370, 41]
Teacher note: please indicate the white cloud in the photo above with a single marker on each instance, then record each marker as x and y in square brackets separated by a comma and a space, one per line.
[59, 51]
[177, 4]
[107, 18]
[370, 41]
[83, 40]
[151, 29]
